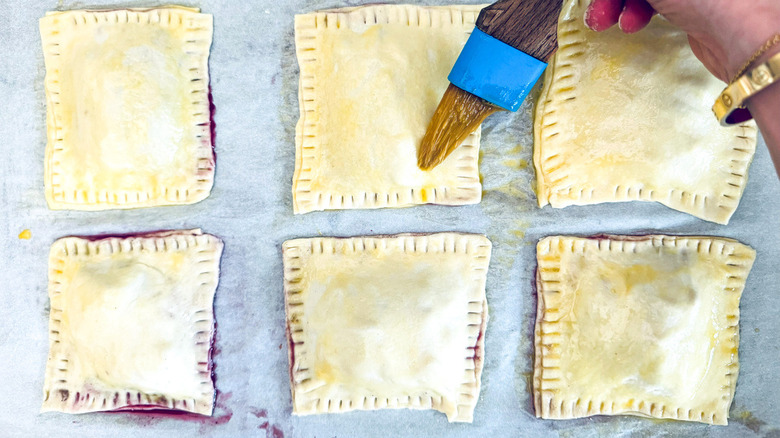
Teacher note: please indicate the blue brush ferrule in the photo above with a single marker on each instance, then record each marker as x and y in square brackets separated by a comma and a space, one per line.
[495, 71]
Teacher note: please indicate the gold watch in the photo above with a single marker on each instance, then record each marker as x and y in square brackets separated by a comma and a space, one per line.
[730, 106]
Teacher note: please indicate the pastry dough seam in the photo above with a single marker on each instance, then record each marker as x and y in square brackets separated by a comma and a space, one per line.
[739, 260]
[57, 393]
[300, 371]
[561, 87]
[197, 45]
[307, 142]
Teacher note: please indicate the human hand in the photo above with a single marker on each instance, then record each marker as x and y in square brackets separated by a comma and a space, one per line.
[723, 33]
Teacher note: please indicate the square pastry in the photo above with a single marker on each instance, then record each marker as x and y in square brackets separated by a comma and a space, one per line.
[128, 108]
[645, 326]
[131, 323]
[370, 80]
[628, 118]
[386, 322]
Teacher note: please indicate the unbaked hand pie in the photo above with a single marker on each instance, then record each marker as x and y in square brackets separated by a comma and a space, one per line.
[644, 326]
[370, 80]
[386, 322]
[128, 112]
[627, 118]
[132, 323]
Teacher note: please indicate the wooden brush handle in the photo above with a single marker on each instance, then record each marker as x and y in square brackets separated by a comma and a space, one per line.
[527, 25]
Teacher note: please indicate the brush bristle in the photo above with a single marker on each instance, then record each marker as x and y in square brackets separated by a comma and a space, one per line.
[459, 114]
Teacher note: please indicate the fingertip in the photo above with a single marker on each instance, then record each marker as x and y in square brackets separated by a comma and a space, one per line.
[635, 16]
[603, 14]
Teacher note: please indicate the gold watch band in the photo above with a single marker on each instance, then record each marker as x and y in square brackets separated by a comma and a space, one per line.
[733, 98]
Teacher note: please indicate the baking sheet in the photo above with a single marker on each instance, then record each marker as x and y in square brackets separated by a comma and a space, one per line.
[254, 82]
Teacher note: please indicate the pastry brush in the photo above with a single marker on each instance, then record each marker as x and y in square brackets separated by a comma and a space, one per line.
[500, 63]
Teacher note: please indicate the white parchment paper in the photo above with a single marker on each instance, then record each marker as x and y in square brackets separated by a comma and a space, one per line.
[254, 82]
